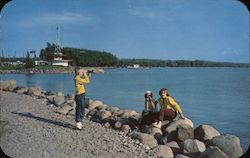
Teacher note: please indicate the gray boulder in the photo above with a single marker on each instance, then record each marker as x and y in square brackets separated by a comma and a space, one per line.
[34, 91]
[7, 85]
[118, 125]
[213, 152]
[22, 90]
[163, 151]
[102, 106]
[126, 129]
[60, 94]
[50, 98]
[193, 147]
[156, 132]
[181, 156]
[205, 133]
[171, 130]
[229, 144]
[64, 110]
[112, 109]
[145, 139]
[175, 147]
[58, 101]
[104, 114]
[184, 132]
[94, 104]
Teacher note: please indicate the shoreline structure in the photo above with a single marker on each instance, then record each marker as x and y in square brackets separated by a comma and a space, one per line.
[177, 139]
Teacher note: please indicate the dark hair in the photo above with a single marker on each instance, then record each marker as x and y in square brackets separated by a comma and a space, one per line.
[150, 94]
[162, 90]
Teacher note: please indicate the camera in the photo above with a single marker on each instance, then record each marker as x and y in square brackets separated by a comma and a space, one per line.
[90, 71]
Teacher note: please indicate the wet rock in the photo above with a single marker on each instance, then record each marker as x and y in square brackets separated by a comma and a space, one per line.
[229, 144]
[163, 151]
[193, 147]
[7, 85]
[213, 152]
[205, 133]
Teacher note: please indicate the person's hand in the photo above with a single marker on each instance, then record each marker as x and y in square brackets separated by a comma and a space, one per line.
[182, 116]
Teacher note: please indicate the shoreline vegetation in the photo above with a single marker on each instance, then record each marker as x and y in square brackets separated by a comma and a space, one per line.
[94, 59]
[176, 139]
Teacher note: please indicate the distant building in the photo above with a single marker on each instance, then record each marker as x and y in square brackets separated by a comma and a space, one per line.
[135, 66]
[59, 61]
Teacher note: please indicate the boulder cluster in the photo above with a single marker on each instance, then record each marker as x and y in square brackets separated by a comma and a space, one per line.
[175, 139]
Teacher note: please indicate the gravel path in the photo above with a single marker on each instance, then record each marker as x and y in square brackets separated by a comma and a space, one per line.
[29, 128]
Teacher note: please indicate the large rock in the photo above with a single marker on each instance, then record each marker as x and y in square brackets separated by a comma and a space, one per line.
[205, 133]
[34, 91]
[184, 132]
[127, 113]
[171, 130]
[94, 104]
[7, 85]
[102, 106]
[118, 125]
[175, 147]
[60, 94]
[22, 90]
[126, 129]
[105, 114]
[229, 144]
[193, 147]
[181, 156]
[145, 139]
[163, 151]
[58, 101]
[173, 125]
[156, 132]
[112, 109]
[50, 98]
[65, 109]
[213, 152]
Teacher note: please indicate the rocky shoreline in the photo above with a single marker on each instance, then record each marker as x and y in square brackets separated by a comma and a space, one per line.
[62, 70]
[177, 139]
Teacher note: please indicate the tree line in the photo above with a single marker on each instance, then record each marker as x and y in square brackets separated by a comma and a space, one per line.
[86, 57]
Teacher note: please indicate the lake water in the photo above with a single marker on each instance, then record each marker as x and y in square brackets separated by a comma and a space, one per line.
[215, 96]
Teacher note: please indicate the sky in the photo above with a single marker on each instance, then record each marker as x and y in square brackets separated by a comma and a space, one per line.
[216, 30]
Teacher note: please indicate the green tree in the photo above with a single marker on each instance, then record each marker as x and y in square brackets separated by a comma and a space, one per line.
[29, 62]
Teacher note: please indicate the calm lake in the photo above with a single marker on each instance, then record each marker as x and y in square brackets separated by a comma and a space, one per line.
[215, 96]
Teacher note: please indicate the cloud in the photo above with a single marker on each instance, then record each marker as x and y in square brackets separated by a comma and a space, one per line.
[56, 18]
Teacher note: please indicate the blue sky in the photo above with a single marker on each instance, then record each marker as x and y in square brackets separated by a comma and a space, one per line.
[215, 30]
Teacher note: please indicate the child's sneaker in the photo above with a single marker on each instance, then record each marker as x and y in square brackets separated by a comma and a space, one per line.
[79, 125]
[157, 124]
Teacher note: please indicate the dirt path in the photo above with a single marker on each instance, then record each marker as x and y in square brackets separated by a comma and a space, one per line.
[29, 128]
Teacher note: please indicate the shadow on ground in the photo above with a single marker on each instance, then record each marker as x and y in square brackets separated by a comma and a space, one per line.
[54, 122]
